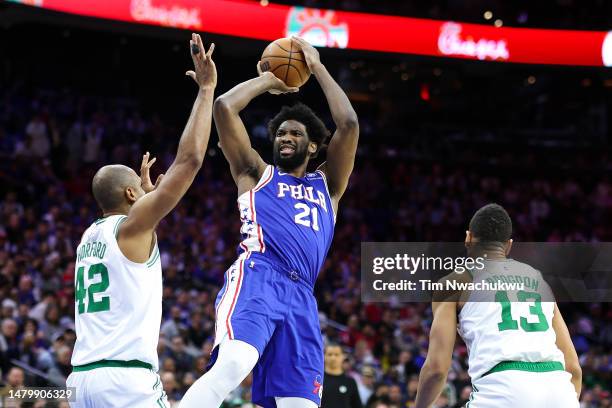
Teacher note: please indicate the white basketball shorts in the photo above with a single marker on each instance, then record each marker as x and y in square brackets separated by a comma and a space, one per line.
[117, 387]
[524, 389]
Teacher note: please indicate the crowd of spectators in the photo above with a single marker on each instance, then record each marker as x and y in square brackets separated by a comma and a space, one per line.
[52, 142]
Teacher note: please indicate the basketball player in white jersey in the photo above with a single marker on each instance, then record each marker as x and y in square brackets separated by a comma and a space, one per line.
[520, 351]
[118, 292]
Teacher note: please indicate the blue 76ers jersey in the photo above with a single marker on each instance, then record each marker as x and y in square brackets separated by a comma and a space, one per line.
[289, 219]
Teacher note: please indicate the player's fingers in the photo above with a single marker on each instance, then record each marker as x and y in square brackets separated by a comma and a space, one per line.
[200, 44]
[289, 89]
[196, 52]
[211, 49]
[304, 45]
[298, 40]
[143, 163]
[159, 179]
[145, 160]
[151, 163]
[191, 74]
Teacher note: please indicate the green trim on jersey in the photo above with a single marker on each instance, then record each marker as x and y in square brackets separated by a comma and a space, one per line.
[160, 400]
[154, 257]
[117, 224]
[112, 363]
[470, 400]
[474, 391]
[534, 367]
[99, 221]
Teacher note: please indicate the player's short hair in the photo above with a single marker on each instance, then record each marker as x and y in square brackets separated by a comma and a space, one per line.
[491, 224]
[317, 132]
[109, 184]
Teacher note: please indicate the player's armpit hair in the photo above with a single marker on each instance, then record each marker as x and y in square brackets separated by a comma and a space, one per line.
[316, 129]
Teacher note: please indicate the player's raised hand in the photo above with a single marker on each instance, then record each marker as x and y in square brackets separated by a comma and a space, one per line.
[310, 53]
[205, 72]
[275, 85]
[145, 176]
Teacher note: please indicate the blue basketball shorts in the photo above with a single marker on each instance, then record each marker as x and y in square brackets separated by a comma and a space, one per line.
[273, 309]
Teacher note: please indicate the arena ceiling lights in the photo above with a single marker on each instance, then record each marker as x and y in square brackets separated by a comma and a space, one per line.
[359, 31]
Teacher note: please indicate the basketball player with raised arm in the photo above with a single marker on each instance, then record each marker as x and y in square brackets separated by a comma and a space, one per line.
[118, 277]
[520, 351]
[267, 318]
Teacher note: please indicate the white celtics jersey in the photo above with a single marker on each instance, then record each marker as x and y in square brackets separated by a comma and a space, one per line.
[514, 325]
[118, 303]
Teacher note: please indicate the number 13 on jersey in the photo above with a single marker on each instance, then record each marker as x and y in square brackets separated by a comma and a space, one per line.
[508, 322]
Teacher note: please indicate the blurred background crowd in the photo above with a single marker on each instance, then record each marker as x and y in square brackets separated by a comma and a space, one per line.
[439, 140]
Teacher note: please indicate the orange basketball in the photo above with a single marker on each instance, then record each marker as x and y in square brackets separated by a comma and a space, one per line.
[285, 60]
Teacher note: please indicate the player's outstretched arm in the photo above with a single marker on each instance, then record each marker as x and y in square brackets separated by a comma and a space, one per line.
[439, 356]
[146, 212]
[246, 165]
[343, 145]
[564, 342]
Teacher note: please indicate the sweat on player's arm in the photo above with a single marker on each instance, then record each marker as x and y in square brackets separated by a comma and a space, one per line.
[564, 343]
[439, 356]
[233, 136]
[343, 145]
[146, 212]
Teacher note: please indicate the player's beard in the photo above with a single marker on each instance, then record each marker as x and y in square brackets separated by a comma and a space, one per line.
[295, 160]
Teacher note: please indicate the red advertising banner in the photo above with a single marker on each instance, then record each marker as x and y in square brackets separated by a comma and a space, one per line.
[359, 31]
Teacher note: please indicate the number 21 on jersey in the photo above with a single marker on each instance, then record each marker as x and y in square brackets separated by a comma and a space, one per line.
[308, 216]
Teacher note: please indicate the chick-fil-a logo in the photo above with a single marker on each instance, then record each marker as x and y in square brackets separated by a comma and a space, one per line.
[319, 27]
[172, 16]
[451, 42]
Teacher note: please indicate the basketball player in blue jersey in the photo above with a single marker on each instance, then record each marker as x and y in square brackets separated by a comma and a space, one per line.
[267, 317]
